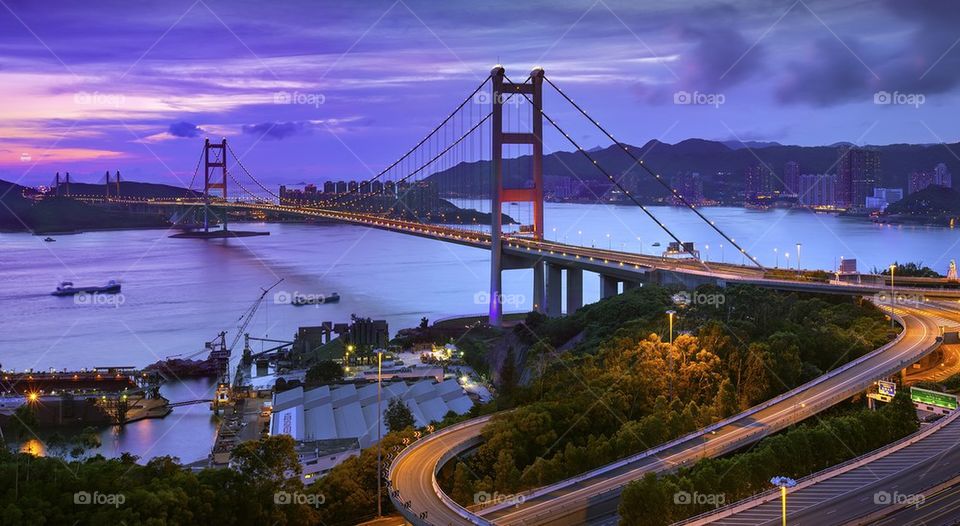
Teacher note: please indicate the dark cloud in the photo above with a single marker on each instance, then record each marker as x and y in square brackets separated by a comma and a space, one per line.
[185, 129]
[278, 130]
[719, 58]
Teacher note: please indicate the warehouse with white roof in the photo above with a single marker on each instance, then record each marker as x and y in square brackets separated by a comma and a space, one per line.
[346, 411]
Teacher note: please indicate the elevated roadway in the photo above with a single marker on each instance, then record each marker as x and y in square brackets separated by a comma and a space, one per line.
[593, 497]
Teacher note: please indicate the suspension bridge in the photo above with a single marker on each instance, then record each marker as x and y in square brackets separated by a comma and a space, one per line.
[453, 184]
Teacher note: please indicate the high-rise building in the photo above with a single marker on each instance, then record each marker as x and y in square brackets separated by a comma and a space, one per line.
[858, 170]
[689, 185]
[759, 180]
[791, 177]
[353, 186]
[341, 187]
[329, 187]
[818, 189]
[942, 177]
[918, 180]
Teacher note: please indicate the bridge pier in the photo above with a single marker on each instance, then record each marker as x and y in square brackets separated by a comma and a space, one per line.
[608, 286]
[574, 290]
[539, 287]
[554, 290]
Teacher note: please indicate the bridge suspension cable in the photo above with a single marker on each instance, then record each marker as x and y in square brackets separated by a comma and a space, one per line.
[614, 180]
[254, 179]
[411, 151]
[651, 172]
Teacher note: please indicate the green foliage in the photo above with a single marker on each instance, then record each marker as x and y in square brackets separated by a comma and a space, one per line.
[911, 269]
[398, 416]
[800, 451]
[618, 388]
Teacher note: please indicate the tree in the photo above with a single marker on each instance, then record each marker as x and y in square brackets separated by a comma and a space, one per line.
[398, 415]
[325, 372]
[726, 403]
[270, 459]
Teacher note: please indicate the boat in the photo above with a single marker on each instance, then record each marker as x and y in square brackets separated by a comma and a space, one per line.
[314, 299]
[49, 239]
[66, 288]
[656, 244]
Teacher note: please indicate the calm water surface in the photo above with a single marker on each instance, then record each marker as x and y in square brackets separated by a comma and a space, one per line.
[178, 293]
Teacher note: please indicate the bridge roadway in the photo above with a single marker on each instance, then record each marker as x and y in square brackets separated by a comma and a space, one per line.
[625, 266]
[902, 483]
[593, 497]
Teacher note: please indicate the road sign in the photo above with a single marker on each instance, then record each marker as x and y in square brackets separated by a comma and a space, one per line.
[933, 398]
[887, 388]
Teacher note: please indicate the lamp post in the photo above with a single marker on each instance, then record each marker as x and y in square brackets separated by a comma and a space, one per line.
[723, 258]
[609, 243]
[670, 314]
[893, 292]
[707, 248]
[379, 430]
[640, 242]
[783, 483]
[580, 233]
[777, 254]
[798, 258]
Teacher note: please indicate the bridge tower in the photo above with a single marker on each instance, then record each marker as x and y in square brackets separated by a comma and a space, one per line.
[214, 177]
[532, 193]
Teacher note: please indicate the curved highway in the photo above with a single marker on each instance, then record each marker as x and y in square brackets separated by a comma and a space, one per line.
[593, 496]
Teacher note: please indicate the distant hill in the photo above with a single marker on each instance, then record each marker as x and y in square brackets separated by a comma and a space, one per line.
[722, 167]
[20, 212]
[737, 145]
[134, 189]
[933, 204]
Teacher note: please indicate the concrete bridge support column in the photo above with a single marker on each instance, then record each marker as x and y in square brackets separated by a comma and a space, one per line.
[554, 290]
[630, 285]
[539, 288]
[608, 286]
[574, 290]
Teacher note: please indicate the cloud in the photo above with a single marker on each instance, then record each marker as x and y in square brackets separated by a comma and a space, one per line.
[278, 130]
[719, 58]
[184, 129]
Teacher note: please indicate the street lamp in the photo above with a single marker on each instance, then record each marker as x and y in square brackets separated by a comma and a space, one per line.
[893, 292]
[640, 241]
[798, 258]
[580, 233]
[707, 247]
[379, 430]
[609, 243]
[723, 258]
[670, 314]
[555, 234]
[783, 483]
[777, 254]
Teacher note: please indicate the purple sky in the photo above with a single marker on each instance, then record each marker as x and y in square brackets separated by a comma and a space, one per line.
[135, 86]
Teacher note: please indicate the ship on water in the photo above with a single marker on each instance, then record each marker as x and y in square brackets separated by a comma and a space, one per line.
[67, 288]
